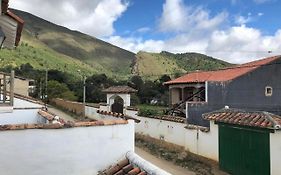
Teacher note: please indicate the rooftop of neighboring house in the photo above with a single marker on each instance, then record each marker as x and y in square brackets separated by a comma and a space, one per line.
[120, 89]
[259, 119]
[133, 164]
[225, 74]
[7, 13]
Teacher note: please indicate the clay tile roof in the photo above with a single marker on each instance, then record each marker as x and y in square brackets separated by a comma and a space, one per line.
[120, 89]
[168, 118]
[118, 115]
[123, 167]
[258, 119]
[222, 74]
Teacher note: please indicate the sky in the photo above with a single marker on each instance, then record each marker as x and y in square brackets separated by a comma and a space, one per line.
[236, 31]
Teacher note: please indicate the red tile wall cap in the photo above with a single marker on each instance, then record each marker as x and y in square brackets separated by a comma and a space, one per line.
[61, 125]
[120, 89]
[118, 115]
[221, 75]
[168, 118]
[196, 127]
[260, 119]
[46, 115]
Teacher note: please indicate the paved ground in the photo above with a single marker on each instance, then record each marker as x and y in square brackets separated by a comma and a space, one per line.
[163, 164]
[60, 113]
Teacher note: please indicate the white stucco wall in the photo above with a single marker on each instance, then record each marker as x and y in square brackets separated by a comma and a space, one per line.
[22, 112]
[195, 141]
[73, 151]
[275, 152]
[91, 112]
[19, 103]
[160, 129]
[23, 116]
[203, 143]
[126, 98]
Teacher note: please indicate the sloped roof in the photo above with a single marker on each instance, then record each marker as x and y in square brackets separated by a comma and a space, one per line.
[5, 10]
[222, 74]
[124, 167]
[258, 119]
[133, 164]
[120, 89]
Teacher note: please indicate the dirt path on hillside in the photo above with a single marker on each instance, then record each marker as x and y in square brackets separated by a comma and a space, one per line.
[163, 164]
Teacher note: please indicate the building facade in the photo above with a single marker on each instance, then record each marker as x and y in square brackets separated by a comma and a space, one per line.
[254, 86]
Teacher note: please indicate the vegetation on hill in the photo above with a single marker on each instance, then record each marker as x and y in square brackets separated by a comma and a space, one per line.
[153, 65]
[101, 56]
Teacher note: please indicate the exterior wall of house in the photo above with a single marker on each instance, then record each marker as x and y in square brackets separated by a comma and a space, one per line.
[21, 86]
[248, 91]
[72, 151]
[275, 152]
[203, 143]
[160, 129]
[22, 112]
[22, 116]
[245, 92]
[175, 95]
[193, 140]
[25, 104]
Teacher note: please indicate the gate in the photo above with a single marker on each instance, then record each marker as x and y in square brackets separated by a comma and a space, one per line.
[244, 151]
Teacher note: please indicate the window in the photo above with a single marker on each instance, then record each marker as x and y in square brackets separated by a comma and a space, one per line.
[268, 91]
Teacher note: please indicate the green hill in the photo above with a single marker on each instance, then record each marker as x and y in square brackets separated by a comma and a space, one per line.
[47, 45]
[100, 55]
[153, 65]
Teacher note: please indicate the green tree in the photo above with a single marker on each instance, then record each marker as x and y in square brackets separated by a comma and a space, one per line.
[59, 90]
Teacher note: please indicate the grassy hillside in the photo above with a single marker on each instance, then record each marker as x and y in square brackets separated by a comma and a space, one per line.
[151, 65]
[41, 56]
[107, 58]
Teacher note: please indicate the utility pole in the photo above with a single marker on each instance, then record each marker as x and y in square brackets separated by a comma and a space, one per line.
[46, 88]
[84, 96]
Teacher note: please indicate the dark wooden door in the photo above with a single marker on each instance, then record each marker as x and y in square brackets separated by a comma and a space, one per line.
[117, 107]
[244, 151]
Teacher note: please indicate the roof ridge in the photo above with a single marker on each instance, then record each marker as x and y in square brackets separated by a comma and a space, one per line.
[269, 117]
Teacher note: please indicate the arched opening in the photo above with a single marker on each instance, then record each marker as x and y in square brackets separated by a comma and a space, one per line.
[118, 105]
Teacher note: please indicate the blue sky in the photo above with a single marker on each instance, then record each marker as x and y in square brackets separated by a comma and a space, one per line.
[233, 30]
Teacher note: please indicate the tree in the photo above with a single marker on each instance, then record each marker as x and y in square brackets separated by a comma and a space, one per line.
[59, 90]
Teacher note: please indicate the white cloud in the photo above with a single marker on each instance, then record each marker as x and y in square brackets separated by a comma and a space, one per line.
[137, 44]
[143, 29]
[177, 17]
[240, 20]
[94, 17]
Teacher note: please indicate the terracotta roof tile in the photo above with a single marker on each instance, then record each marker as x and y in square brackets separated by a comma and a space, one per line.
[259, 119]
[222, 74]
[69, 124]
[168, 118]
[118, 115]
[123, 167]
[120, 89]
